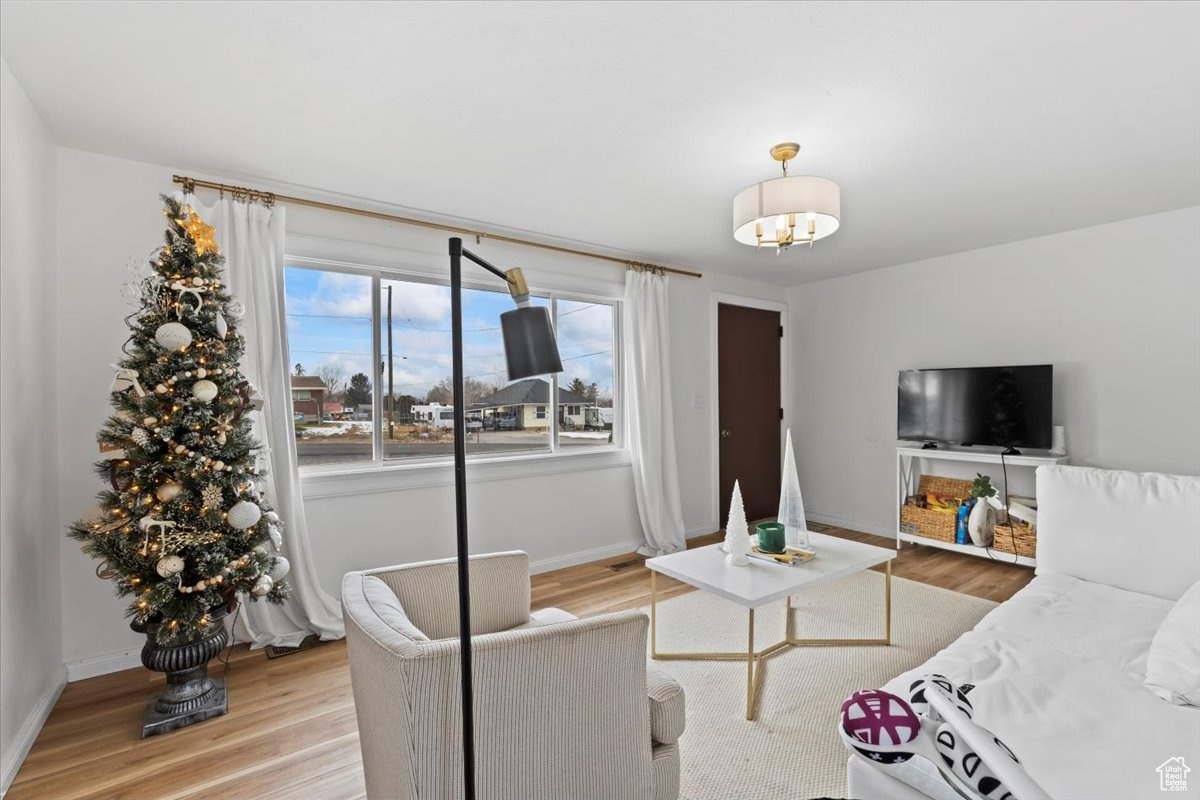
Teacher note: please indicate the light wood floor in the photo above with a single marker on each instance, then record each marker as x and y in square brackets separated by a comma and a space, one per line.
[291, 731]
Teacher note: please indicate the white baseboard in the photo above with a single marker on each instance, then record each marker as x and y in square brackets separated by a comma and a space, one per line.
[854, 525]
[103, 664]
[582, 557]
[29, 730]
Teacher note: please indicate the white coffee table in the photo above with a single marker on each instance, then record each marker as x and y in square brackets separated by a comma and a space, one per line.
[761, 583]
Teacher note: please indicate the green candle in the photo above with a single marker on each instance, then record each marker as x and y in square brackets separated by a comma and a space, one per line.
[770, 537]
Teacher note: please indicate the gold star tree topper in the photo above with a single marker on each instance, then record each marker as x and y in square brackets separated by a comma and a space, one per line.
[201, 234]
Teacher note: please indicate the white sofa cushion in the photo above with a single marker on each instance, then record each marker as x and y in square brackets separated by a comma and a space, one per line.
[1132, 530]
[1079, 716]
[1173, 663]
[545, 616]
[384, 603]
[1088, 620]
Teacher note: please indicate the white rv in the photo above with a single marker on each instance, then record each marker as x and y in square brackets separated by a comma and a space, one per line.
[598, 419]
[434, 415]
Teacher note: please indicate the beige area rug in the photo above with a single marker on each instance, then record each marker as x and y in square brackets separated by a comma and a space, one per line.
[792, 749]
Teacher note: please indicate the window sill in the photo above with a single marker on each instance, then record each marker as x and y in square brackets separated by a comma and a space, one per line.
[317, 483]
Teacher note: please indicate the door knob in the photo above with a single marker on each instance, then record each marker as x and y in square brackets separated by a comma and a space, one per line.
[725, 434]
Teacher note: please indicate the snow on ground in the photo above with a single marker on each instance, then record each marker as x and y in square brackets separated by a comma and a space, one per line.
[583, 435]
[336, 428]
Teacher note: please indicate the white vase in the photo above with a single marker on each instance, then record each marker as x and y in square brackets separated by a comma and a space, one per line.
[791, 503]
[982, 523]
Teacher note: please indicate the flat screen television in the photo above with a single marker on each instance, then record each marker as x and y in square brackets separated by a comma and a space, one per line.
[999, 406]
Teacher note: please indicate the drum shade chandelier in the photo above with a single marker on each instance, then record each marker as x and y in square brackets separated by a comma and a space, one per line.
[793, 209]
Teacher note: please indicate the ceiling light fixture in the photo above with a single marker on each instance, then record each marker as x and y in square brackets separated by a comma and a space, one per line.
[776, 207]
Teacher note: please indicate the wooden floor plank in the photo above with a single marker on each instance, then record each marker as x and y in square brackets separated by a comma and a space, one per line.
[291, 731]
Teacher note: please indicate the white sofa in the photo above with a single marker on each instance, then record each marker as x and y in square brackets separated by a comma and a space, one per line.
[1059, 669]
[564, 707]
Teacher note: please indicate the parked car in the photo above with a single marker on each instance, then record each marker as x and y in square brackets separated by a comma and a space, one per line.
[506, 422]
[297, 417]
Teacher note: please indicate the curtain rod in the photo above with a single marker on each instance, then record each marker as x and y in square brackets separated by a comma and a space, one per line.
[190, 184]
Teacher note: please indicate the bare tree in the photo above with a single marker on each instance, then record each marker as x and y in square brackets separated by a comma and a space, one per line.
[474, 390]
[333, 376]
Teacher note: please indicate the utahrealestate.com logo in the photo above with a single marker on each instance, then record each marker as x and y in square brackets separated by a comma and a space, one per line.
[1172, 775]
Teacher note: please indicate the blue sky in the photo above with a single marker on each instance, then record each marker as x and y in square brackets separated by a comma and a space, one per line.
[329, 322]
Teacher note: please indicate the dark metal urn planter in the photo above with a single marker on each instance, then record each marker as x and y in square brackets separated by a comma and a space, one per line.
[191, 694]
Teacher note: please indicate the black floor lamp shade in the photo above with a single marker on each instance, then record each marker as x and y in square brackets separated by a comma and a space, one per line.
[529, 344]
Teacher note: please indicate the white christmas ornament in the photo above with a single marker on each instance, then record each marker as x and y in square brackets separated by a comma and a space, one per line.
[272, 518]
[737, 531]
[172, 336]
[791, 503]
[236, 309]
[204, 391]
[169, 565]
[126, 379]
[222, 325]
[243, 514]
[280, 568]
[168, 491]
[276, 538]
[262, 585]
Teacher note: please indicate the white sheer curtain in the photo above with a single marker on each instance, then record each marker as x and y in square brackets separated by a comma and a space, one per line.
[649, 424]
[250, 236]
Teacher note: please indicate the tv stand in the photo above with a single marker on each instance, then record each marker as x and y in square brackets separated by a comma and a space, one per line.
[908, 454]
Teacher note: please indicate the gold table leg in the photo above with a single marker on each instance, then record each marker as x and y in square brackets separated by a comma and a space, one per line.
[752, 657]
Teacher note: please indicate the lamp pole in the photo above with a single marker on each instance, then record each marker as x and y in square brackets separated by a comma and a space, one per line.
[460, 506]
[530, 349]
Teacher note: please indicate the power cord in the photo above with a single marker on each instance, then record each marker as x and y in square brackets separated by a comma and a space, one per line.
[1008, 518]
[232, 638]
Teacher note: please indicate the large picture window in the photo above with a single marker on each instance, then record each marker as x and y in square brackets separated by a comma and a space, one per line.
[371, 381]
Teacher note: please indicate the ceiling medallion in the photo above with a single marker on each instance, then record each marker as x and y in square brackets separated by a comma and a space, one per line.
[768, 214]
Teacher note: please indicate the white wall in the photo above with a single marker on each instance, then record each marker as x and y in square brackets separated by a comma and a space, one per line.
[31, 672]
[109, 213]
[1115, 309]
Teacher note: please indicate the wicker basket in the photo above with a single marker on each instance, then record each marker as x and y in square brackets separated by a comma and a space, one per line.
[1024, 535]
[930, 523]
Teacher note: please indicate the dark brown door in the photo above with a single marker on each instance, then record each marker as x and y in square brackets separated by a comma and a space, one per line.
[748, 397]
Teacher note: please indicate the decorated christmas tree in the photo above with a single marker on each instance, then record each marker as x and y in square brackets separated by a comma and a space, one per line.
[184, 529]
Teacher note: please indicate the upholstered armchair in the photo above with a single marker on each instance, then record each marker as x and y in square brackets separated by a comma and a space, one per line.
[565, 708]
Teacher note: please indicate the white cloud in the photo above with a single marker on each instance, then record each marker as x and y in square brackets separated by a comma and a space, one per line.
[418, 302]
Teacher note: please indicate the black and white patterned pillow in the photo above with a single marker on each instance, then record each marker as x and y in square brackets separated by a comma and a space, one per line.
[966, 764]
[919, 688]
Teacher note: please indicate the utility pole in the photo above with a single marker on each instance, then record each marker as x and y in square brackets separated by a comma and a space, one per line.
[391, 389]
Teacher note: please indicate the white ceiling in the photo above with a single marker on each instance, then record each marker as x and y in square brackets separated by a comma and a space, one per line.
[950, 126]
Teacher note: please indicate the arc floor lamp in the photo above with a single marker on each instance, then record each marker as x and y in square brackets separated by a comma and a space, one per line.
[530, 349]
